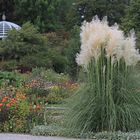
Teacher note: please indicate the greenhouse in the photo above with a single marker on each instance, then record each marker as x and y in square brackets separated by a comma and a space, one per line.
[6, 26]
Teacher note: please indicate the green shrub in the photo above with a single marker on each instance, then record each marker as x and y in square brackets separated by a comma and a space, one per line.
[55, 130]
[51, 130]
[26, 42]
[59, 63]
[115, 135]
[57, 43]
[17, 125]
[10, 78]
[54, 77]
[8, 65]
[40, 59]
[41, 92]
[54, 98]
[49, 75]
[71, 51]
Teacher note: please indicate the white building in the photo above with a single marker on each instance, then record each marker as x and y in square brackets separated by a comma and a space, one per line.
[6, 26]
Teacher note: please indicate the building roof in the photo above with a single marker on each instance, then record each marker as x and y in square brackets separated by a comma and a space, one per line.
[6, 26]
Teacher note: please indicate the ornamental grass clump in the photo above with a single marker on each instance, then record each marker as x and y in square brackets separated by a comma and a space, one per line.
[110, 99]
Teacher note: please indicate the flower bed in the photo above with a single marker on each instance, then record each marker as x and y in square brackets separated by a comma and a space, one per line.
[24, 98]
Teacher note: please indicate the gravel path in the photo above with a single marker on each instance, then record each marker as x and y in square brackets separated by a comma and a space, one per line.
[29, 137]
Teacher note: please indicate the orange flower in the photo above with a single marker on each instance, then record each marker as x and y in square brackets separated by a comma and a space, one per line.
[4, 100]
[23, 97]
[38, 107]
[8, 105]
[1, 104]
[12, 101]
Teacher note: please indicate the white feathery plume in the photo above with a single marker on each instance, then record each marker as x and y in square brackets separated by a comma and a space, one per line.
[97, 34]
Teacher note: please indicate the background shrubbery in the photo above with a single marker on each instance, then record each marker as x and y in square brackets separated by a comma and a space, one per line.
[26, 49]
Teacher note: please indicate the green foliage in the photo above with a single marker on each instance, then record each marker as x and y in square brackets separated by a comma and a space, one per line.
[54, 98]
[85, 10]
[57, 43]
[10, 65]
[59, 92]
[109, 101]
[9, 78]
[116, 135]
[131, 20]
[52, 76]
[51, 15]
[38, 91]
[7, 7]
[23, 108]
[56, 130]
[59, 63]
[15, 125]
[23, 48]
[57, 17]
[45, 14]
[20, 43]
[39, 59]
[51, 130]
[72, 50]
[48, 75]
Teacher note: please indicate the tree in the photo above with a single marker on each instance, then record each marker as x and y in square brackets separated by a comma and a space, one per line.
[23, 42]
[20, 43]
[71, 51]
[47, 15]
[132, 19]
[86, 9]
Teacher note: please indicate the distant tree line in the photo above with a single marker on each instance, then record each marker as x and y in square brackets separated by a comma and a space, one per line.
[50, 15]
[59, 22]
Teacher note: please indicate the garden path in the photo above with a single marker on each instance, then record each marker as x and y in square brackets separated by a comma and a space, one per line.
[4, 136]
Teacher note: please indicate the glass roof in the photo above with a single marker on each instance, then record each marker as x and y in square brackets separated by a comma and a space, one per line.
[5, 26]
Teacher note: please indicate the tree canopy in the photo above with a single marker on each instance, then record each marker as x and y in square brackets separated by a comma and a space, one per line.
[60, 21]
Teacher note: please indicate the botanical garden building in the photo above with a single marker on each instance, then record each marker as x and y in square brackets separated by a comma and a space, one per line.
[6, 26]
